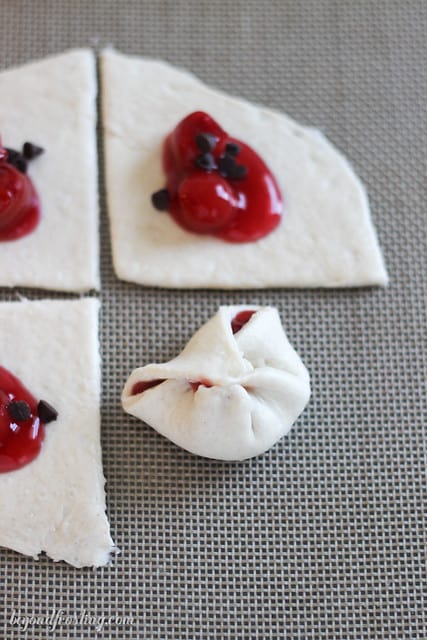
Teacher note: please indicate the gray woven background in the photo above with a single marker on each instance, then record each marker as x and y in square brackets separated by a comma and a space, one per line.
[324, 536]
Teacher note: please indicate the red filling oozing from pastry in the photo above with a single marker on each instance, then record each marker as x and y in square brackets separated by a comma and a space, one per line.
[204, 382]
[217, 185]
[21, 430]
[241, 319]
[143, 385]
[19, 202]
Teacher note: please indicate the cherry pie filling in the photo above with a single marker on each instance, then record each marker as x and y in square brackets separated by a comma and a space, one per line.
[216, 184]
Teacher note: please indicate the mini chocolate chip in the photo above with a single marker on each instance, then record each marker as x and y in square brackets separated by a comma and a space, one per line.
[206, 161]
[160, 200]
[239, 172]
[229, 169]
[46, 412]
[19, 410]
[206, 141]
[232, 148]
[17, 160]
[30, 150]
[226, 165]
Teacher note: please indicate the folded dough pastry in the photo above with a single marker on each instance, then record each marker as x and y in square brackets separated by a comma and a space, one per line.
[56, 503]
[52, 103]
[326, 237]
[228, 395]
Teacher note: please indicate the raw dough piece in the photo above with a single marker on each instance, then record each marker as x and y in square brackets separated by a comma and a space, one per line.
[325, 239]
[56, 503]
[52, 104]
[259, 388]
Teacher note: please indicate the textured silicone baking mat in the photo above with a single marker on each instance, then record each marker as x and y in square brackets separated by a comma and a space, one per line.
[323, 537]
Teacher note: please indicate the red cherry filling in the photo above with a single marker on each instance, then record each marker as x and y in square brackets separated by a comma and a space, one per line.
[217, 185]
[21, 428]
[143, 385]
[201, 383]
[19, 203]
[207, 202]
[241, 319]
[139, 387]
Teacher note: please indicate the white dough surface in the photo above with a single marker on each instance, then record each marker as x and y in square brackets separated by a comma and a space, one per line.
[326, 238]
[52, 103]
[56, 504]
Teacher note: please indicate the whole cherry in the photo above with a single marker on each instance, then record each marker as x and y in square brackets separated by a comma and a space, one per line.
[207, 202]
[19, 205]
[15, 191]
[183, 140]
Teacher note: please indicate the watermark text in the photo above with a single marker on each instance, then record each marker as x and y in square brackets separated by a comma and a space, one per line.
[57, 618]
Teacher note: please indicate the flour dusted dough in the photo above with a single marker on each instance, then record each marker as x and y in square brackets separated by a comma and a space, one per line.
[326, 237]
[56, 503]
[52, 103]
[259, 388]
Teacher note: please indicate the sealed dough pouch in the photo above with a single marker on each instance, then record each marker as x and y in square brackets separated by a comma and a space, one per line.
[233, 392]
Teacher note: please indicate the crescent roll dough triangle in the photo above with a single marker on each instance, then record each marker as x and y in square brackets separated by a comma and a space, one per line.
[326, 237]
[226, 396]
[52, 103]
[56, 504]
